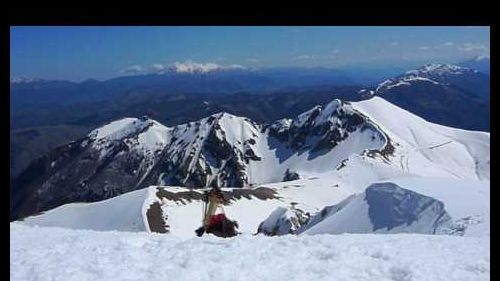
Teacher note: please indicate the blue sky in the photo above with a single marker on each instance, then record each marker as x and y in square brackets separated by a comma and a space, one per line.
[78, 53]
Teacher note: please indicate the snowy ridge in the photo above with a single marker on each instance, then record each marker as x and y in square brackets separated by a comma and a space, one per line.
[383, 208]
[122, 213]
[144, 137]
[193, 67]
[24, 79]
[482, 58]
[465, 204]
[431, 73]
[151, 134]
[437, 69]
[428, 149]
[227, 150]
[201, 150]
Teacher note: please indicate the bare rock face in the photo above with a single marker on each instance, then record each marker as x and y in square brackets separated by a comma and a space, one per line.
[321, 128]
[208, 153]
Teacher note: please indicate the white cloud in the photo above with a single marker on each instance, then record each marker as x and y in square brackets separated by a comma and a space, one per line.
[252, 60]
[133, 69]
[468, 47]
[448, 44]
[157, 67]
[333, 54]
[305, 57]
[394, 43]
[424, 48]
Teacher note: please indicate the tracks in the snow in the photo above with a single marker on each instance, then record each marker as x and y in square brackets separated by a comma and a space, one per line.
[404, 159]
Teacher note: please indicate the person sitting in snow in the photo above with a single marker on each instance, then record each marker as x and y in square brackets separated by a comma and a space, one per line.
[215, 221]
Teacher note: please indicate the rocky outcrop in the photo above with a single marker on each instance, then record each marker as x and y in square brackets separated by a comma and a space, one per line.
[283, 221]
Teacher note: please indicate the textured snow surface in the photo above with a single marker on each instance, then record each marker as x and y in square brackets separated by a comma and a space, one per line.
[427, 149]
[117, 129]
[61, 254]
[466, 201]
[123, 213]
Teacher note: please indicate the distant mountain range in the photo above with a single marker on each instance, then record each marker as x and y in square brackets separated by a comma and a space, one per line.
[442, 93]
[36, 92]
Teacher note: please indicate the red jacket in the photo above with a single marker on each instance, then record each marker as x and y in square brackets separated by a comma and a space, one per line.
[216, 219]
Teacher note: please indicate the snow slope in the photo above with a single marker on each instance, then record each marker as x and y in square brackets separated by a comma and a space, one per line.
[428, 149]
[42, 253]
[122, 213]
[383, 208]
[465, 201]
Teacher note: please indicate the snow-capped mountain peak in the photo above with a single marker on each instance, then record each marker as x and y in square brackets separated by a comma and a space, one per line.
[434, 73]
[193, 67]
[24, 79]
[120, 128]
[438, 69]
[139, 133]
[482, 58]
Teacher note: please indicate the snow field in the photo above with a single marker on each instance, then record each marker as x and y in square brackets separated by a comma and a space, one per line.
[46, 253]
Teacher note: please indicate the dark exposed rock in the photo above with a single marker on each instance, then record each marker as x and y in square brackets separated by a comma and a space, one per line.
[250, 155]
[261, 193]
[156, 220]
[77, 172]
[283, 221]
[291, 176]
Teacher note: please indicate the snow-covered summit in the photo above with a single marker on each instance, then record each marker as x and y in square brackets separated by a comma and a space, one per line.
[24, 79]
[434, 73]
[193, 67]
[439, 69]
[482, 58]
[138, 133]
[120, 128]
